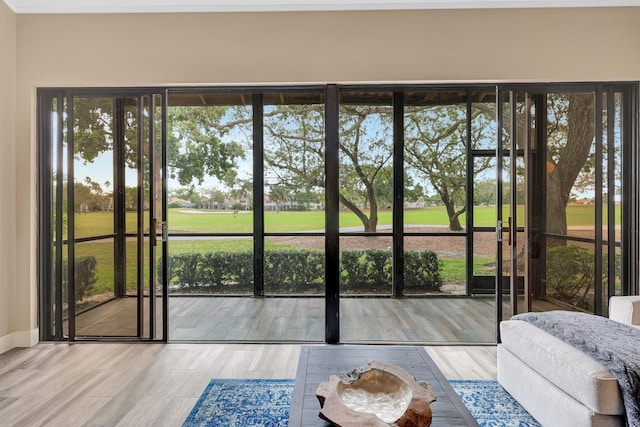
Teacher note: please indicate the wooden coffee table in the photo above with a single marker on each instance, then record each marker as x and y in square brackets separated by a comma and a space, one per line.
[318, 363]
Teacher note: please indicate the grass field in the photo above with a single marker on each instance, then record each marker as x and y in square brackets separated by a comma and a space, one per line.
[192, 220]
[185, 220]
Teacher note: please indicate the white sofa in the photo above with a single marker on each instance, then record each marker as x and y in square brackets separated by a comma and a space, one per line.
[554, 382]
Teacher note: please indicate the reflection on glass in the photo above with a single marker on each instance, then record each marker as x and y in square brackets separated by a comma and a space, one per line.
[570, 148]
[483, 120]
[570, 273]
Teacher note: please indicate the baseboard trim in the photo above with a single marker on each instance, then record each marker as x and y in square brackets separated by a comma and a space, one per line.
[18, 339]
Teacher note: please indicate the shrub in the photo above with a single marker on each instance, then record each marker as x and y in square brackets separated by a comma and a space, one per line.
[352, 269]
[570, 274]
[84, 276]
[301, 271]
[422, 270]
[293, 269]
[185, 270]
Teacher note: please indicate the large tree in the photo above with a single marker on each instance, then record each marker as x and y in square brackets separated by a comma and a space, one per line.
[570, 136]
[195, 146]
[366, 152]
[570, 133]
[435, 143]
[195, 141]
[294, 153]
[436, 146]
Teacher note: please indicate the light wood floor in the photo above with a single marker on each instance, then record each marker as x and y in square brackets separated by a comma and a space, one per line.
[100, 384]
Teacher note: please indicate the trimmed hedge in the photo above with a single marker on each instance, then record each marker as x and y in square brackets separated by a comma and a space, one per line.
[300, 271]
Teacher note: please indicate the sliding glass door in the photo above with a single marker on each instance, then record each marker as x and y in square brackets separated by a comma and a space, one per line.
[246, 217]
[561, 183]
[107, 210]
[354, 214]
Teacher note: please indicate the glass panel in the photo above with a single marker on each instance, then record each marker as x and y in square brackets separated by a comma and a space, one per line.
[93, 167]
[294, 163]
[484, 192]
[210, 162]
[414, 319]
[521, 272]
[507, 310]
[570, 274]
[156, 177]
[59, 216]
[211, 266]
[158, 291]
[506, 122]
[64, 286]
[483, 120]
[484, 255]
[366, 161]
[571, 173]
[294, 266]
[98, 312]
[132, 157]
[612, 194]
[435, 152]
[617, 177]
[365, 265]
[435, 265]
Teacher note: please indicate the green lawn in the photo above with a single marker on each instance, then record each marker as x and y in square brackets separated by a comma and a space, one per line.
[192, 220]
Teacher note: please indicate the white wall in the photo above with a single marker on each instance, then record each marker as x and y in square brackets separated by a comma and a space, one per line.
[207, 48]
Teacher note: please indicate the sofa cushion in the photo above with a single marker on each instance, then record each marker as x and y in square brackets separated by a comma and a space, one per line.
[568, 368]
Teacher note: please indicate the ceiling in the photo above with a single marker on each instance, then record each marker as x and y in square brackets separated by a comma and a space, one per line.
[162, 6]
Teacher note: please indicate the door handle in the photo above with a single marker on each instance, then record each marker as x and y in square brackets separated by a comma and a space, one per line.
[499, 231]
[152, 232]
[510, 231]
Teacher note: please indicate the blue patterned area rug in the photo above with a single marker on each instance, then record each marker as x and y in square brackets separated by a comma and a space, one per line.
[491, 405]
[243, 403]
[266, 403]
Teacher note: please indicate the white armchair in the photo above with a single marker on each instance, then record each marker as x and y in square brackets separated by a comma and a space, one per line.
[625, 309]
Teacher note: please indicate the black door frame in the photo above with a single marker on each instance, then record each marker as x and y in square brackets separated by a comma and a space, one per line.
[49, 299]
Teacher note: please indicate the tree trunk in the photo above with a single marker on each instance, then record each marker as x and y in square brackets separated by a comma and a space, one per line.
[368, 225]
[573, 156]
[373, 212]
[454, 217]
